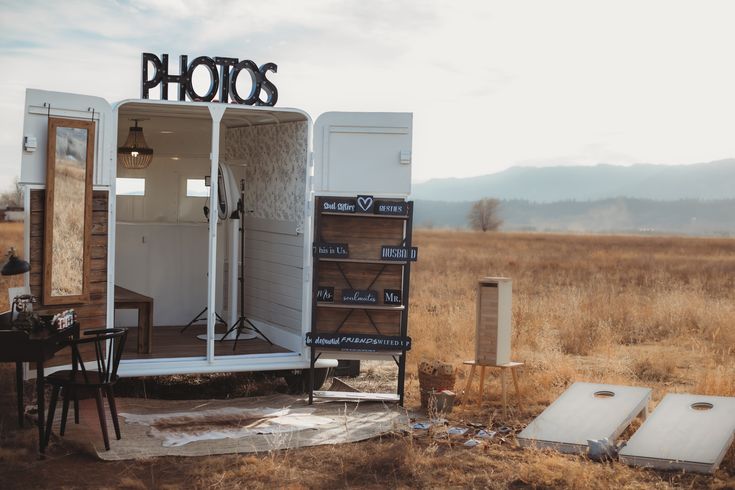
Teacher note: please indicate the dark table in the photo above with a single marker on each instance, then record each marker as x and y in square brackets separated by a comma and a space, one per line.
[127, 299]
[19, 346]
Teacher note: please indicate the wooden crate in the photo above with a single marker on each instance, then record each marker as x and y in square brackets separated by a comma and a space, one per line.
[492, 335]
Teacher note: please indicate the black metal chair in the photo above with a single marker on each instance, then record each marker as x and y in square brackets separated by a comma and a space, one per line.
[80, 381]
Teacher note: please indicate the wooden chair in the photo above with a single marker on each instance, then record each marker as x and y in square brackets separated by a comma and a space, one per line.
[80, 381]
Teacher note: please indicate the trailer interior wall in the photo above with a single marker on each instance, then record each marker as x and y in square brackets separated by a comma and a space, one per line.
[161, 243]
[161, 236]
[272, 160]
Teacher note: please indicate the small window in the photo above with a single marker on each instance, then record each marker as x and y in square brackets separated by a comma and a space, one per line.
[129, 186]
[196, 188]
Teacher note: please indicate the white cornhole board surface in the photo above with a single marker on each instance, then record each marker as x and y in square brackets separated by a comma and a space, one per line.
[579, 415]
[679, 437]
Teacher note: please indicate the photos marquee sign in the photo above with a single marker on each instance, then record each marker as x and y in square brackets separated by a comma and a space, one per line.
[223, 73]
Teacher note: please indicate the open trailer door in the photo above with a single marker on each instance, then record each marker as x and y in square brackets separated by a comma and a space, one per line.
[92, 307]
[362, 250]
[363, 153]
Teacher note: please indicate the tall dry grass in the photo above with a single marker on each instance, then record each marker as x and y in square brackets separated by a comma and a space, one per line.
[632, 309]
[68, 224]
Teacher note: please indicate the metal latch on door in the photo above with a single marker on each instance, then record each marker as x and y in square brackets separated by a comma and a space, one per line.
[405, 157]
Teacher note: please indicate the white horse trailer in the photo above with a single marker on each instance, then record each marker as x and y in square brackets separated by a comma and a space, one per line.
[150, 234]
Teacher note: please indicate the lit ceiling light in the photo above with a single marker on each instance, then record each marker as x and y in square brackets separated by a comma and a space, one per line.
[135, 153]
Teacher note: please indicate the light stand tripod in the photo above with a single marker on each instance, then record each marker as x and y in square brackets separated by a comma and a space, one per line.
[240, 324]
[200, 316]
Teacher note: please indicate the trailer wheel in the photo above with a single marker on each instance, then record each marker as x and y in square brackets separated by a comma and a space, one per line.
[298, 382]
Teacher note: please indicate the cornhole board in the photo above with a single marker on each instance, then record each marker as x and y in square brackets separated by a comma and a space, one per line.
[684, 433]
[586, 411]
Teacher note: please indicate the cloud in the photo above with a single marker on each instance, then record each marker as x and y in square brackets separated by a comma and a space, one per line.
[490, 83]
[589, 154]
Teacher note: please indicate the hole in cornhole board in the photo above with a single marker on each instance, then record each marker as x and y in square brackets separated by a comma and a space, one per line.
[585, 411]
[684, 432]
[604, 394]
[702, 406]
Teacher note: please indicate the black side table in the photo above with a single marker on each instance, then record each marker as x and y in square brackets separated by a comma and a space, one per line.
[19, 346]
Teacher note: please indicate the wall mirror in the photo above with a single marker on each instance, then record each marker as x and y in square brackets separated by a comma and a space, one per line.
[68, 211]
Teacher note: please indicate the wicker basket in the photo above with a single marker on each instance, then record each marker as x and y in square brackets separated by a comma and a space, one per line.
[434, 382]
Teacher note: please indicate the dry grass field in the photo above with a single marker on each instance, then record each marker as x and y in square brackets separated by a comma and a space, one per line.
[653, 310]
[68, 222]
[11, 235]
[646, 311]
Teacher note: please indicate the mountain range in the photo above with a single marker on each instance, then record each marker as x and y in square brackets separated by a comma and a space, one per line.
[619, 215]
[707, 181]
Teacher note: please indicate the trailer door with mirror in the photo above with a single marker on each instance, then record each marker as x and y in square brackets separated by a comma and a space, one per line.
[66, 168]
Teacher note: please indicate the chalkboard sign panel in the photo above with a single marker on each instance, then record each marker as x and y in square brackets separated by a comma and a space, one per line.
[389, 252]
[365, 204]
[391, 208]
[338, 205]
[357, 342]
[392, 296]
[332, 250]
[362, 258]
[325, 294]
[359, 296]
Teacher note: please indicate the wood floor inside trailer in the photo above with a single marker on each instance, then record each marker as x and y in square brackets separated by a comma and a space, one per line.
[169, 342]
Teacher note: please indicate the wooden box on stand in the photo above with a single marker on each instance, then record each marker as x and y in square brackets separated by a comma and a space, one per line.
[492, 335]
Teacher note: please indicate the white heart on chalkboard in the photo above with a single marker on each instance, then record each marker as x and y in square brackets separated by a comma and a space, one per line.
[365, 203]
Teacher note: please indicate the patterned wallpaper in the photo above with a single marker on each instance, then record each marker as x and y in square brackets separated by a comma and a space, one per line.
[275, 175]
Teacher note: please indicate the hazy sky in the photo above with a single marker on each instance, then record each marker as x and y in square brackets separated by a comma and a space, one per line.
[491, 84]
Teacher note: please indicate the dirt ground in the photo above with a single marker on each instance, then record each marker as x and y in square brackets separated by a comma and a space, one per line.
[410, 459]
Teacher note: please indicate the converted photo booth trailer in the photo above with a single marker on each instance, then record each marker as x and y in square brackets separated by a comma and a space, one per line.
[150, 236]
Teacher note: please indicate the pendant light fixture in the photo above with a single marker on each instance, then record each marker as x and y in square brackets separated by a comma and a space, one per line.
[135, 153]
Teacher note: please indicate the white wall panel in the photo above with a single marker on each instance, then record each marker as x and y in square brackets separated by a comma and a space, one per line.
[274, 276]
[165, 199]
[363, 153]
[166, 262]
[42, 104]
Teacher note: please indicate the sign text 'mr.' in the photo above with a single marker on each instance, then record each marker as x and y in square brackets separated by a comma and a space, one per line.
[223, 76]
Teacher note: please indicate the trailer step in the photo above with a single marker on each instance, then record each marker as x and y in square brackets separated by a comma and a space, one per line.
[357, 396]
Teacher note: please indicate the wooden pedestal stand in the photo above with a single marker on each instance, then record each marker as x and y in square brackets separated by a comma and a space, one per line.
[511, 366]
